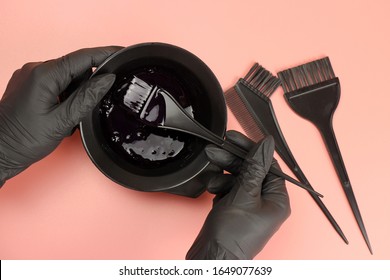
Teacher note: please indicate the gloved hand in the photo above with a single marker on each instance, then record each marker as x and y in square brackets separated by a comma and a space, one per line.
[32, 121]
[250, 204]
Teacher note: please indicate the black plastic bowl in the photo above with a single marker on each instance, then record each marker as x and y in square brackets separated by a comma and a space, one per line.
[186, 173]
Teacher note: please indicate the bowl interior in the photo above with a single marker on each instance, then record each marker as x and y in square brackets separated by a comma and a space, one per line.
[140, 156]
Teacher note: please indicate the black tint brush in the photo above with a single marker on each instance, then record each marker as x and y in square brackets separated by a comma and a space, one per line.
[156, 107]
[250, 102]
[313, 91]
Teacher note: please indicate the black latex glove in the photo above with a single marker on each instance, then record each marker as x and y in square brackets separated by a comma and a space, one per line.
[250, 204]
[32, 121]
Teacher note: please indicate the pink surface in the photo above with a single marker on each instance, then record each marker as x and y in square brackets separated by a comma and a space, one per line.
[64, 208]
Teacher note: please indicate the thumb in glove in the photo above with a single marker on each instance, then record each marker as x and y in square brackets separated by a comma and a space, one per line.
[81, 102]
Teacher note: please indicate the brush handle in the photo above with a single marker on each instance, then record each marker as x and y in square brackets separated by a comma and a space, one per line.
[238, 151]
[260, 108]
[285, 153]
[177, 119]
[301, 177]
[330, 140]
[263, 121]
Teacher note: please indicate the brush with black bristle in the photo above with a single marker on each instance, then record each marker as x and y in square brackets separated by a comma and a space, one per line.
[313, 91]
[156, 107]
[251, 94]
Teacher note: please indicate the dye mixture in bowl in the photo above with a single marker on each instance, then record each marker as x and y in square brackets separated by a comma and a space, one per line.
[138, 143]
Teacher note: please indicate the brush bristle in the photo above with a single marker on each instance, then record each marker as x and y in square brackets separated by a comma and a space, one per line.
[239, 110]
[261, 80]
[306, 75]
[137, 94]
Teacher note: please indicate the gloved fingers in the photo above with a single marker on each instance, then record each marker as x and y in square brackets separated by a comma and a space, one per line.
[239, 139]
[263, 152]
[221, 184]
[274, 193]
[224, 159]
[65, 69]
[256, 166]
[80, 103]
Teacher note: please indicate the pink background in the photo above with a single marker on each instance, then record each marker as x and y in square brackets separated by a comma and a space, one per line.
[64, 208]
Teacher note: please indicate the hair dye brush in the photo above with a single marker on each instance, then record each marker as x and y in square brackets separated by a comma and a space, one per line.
[157, 107]
[313, 91]
[250, 103]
